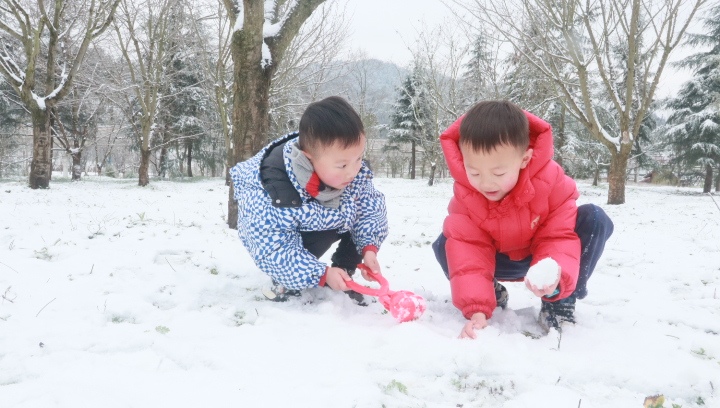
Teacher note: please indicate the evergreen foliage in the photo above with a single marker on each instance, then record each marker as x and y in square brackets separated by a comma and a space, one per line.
[477, 71]
[410, 116]
[693, 128]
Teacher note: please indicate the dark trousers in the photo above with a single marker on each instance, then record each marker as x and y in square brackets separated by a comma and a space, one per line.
[593, 227]
[346, 255]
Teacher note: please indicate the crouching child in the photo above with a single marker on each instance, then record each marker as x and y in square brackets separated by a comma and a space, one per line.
[305, 191]
[513, 213]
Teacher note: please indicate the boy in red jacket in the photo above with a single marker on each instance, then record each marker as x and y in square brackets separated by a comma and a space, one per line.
[513, 206]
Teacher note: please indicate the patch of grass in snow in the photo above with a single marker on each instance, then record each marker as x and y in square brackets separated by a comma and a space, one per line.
[43, 254]
[655, 401]
[464, 382]
[702, 353]
[395, 385]
[162, 329]
[239, 318]
[122, 319]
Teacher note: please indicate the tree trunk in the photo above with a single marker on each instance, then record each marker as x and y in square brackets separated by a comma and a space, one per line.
[617, 174]
[431, 179]
[229, 165]
[412, 160]
[163, 162]
[251, 90]
[189, 159]
[41, 164]
[76, 165]
[143, 177]
[596, 177]
[707, 186]
[717, 182]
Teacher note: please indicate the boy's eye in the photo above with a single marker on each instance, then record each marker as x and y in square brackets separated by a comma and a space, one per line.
[500, 175]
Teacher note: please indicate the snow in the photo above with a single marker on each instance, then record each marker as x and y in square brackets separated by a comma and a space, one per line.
[270, 29]
[240, 15]
[12, 69]
[39, 100]
[709, 126]
[544, 273]
[58, 88]
[113, 295]
[266, 59]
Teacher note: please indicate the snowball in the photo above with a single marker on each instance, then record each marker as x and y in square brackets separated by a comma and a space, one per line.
[543, 273]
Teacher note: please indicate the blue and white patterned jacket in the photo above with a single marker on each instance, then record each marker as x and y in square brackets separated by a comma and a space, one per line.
[269, 227]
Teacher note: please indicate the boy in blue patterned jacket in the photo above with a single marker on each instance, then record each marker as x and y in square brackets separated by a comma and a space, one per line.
[304, 192]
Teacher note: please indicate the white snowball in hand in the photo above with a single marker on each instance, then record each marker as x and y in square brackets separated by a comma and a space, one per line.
[543, 273]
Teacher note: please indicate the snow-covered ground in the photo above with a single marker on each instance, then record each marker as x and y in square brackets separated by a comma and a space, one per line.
[119, 296]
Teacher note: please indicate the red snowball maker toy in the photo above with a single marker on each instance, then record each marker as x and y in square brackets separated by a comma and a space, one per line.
[403, 305]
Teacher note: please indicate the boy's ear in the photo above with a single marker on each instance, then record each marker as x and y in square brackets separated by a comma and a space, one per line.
[308, 155]
[526, 158]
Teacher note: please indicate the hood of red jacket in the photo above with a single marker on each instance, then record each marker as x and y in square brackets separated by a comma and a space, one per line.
[540, 141]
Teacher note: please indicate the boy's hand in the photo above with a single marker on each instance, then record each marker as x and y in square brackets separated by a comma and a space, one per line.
[545, 290]
[477, 321]
[336, 277]
[370, 260]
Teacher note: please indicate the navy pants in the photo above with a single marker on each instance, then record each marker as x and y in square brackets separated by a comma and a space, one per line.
[346, 255]
[593, 227]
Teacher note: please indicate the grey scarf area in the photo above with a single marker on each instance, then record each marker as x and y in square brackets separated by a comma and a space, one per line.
[328, 197]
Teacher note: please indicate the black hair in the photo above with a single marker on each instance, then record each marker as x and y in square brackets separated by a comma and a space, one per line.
[329, 121]
[490, 124]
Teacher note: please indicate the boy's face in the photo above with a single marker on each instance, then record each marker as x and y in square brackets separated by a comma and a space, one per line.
[337, 166]
[495, 173]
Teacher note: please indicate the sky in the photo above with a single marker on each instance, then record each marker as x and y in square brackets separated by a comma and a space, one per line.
[142, 297]
[384, 29]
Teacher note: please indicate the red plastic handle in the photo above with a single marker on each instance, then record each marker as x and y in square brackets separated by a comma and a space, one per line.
[384, 286]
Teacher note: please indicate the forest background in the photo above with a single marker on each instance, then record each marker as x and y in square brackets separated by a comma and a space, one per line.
[159, 89]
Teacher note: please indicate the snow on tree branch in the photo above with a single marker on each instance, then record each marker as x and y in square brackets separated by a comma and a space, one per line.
[276, 14]
[238, 14]
[8, 64]
[274, 22]
[59, 87]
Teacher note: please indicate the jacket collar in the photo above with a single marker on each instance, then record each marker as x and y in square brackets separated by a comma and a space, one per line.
[274, 177]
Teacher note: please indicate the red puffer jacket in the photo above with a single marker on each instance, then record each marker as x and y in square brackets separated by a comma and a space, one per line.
[536, 218]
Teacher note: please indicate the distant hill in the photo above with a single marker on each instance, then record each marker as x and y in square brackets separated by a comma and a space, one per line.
[378, 79]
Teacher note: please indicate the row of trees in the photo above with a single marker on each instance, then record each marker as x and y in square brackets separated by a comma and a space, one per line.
[580, 77]
[179, 82]
[593, 64]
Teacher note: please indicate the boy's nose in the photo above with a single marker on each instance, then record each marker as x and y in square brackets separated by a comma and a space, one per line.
[485, 185]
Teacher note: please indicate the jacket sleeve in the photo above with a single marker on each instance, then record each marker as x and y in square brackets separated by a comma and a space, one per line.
[556, 237]
[371, 225]
[271, 237]
[471, 263]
